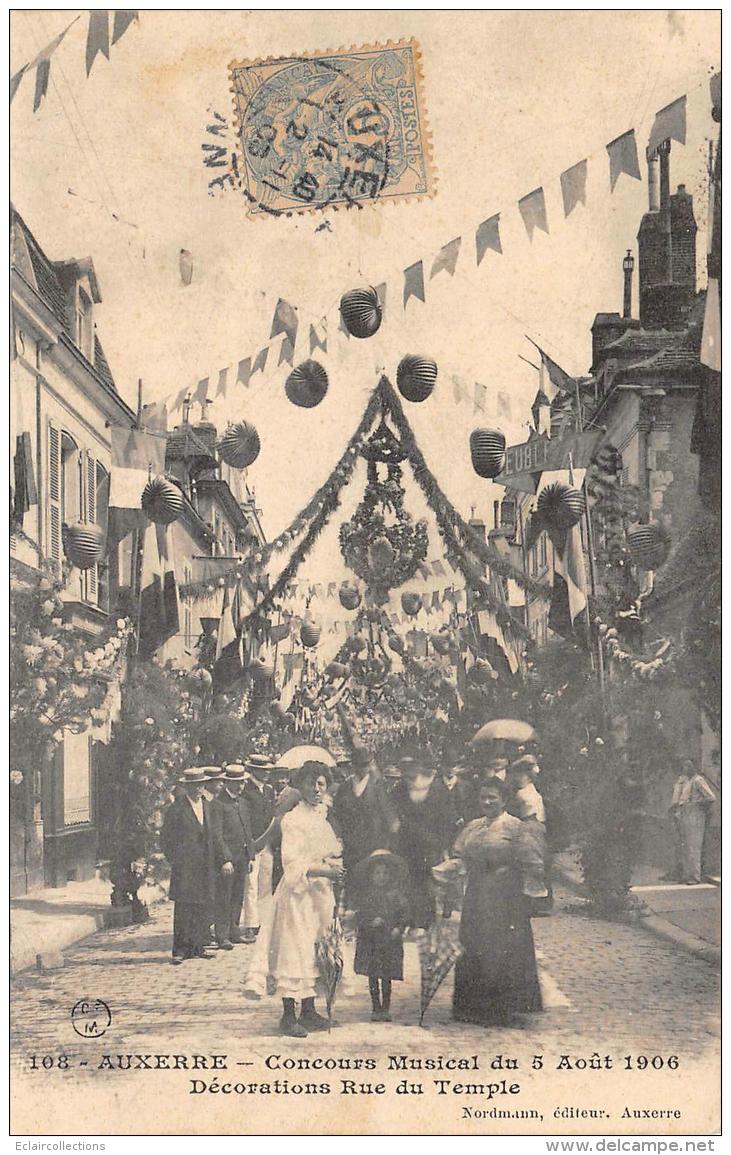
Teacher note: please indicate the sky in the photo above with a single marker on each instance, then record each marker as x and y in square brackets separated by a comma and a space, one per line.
[111, 167]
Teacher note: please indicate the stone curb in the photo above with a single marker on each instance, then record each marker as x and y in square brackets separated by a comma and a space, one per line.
[653, 923]
[65, 932]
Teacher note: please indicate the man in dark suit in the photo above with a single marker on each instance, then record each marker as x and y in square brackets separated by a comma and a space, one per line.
[234, 848]
[362, 813]
[260, 800]
[187, 842]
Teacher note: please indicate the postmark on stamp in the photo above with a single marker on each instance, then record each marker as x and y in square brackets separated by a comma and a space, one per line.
[336, 129]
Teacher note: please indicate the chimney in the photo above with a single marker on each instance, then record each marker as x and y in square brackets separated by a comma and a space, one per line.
[683, 229]
[664, 154]
[628, 265]
[653, 182]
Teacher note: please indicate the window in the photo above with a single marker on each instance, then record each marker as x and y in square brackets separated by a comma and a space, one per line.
[542, 557]
[76, 778]
[85, 326]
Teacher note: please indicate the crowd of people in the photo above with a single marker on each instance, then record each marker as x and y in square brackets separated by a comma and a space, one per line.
[261, 858]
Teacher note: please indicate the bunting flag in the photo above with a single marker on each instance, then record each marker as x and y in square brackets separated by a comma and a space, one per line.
[446, 258]
[228, 665]
[222, 382]
[381, 294]
[243, 373]
[438, 569]
[318, 336]
[573, 186]
[43, 72]
[669, 124]
[533, 211]
[154, 417]
[260, 364]
[568, 600]
[541, 410]
[43, 68]
[553, 379]
[135, 457]
[456, 390]
[504, 405]
[97, 38]
[623, 158]
[180, 398]
[16, 79]
[286, 352]
[414, 282]
[185, 264]
[122, 21]
[488, 237]
[480, 397]
[200, 394]
[285, 321]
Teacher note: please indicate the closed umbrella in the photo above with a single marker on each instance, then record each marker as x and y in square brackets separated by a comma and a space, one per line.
[296, 757]
[505, 730]
[439, 949]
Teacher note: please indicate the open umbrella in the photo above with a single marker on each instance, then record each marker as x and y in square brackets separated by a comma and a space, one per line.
[296, 757]
[505, 730]
[439, 948]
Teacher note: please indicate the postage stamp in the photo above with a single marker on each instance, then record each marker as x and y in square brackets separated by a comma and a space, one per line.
[335, 129]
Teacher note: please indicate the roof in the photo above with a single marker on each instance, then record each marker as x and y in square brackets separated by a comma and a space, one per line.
[637, 341]
[674, 361]
[42, 274]
[184, 443]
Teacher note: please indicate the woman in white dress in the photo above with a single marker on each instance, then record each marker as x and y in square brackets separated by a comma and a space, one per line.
[302, 907]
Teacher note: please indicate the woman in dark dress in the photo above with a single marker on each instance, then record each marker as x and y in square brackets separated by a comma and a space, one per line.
[496, 978]
[427, 823]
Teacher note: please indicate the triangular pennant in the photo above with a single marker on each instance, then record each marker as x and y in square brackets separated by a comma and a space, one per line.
[43, 71]
[260, 364]
[222, 382]
[669, 124]
[414, 282]
[97, 39]
[573, 186]
[623, 158]
[533, 211]
[243, 372]
[122, 20]
[488, 237]
[446, 258]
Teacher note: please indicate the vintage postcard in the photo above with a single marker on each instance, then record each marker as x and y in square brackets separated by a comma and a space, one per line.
[365, 577]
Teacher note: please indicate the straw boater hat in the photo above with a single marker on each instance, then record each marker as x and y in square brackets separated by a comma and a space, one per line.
[214, 773]
[362, 871]
[234, 772]
[259, 762]
[196, 776]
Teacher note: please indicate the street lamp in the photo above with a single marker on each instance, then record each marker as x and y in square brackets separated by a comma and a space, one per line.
[628, 265]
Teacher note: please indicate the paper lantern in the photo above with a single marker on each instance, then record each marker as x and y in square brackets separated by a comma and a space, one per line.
[411, 603]
[349, 596]
[648, 545]
[84, 544]
[309, 634]
[381, 554]
[240, 445]
[560, 506]
[487, 450]
[416, 377]
[361, 312]
[307, 384]
[162, 501]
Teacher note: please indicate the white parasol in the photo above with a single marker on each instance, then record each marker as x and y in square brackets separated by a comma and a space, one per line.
[296, 757]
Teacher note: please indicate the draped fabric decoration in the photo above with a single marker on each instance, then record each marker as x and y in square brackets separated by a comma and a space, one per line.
[623, 158]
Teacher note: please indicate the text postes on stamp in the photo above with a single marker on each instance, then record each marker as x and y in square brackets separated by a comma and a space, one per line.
[339, 128]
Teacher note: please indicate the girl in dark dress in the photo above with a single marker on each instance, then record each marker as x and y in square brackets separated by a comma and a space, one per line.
[496, 978]
[382, 913]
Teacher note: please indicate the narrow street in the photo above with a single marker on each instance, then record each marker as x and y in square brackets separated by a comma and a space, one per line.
[609, 990]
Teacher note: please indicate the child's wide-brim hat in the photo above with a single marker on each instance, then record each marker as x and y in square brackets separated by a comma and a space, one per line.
[361, 872]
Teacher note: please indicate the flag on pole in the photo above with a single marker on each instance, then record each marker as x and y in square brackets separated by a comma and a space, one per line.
[568, 599]
[541, 410]
[573, 186]
[623, 158]
[554, 379]
[135, 457]
[228, 665]
[488, 237]
[669, 124]
[533, 211]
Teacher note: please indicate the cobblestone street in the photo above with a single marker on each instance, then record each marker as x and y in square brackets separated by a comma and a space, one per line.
[609, 989]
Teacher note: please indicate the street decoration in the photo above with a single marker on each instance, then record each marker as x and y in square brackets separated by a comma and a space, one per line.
[309, 634]
[307, 384]
[560, 506]
[349, 596]
[239, 446]
[162, 501]
[416, 377]
[361, 312]
[648, 545]
[487, 450]
[83, 544]
[411, 603]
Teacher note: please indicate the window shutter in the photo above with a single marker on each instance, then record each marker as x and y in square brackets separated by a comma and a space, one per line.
[53, 509]
[91, 576]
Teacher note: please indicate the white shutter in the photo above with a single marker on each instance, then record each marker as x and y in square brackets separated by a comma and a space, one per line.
[91, 576]
[53, 495]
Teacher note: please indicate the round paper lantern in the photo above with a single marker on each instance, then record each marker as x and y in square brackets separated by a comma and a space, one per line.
[361, 312]
[416, 377]
[487, 450]
[349, 596]
[162, 501]
[309, 634]
[84, 544]
[240, 445]
[648, 545]
[411, 603]
[307, 384]
[560, 506]
[381, 554]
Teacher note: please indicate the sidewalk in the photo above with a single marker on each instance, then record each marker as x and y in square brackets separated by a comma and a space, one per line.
[52, 919]
[687, 916]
